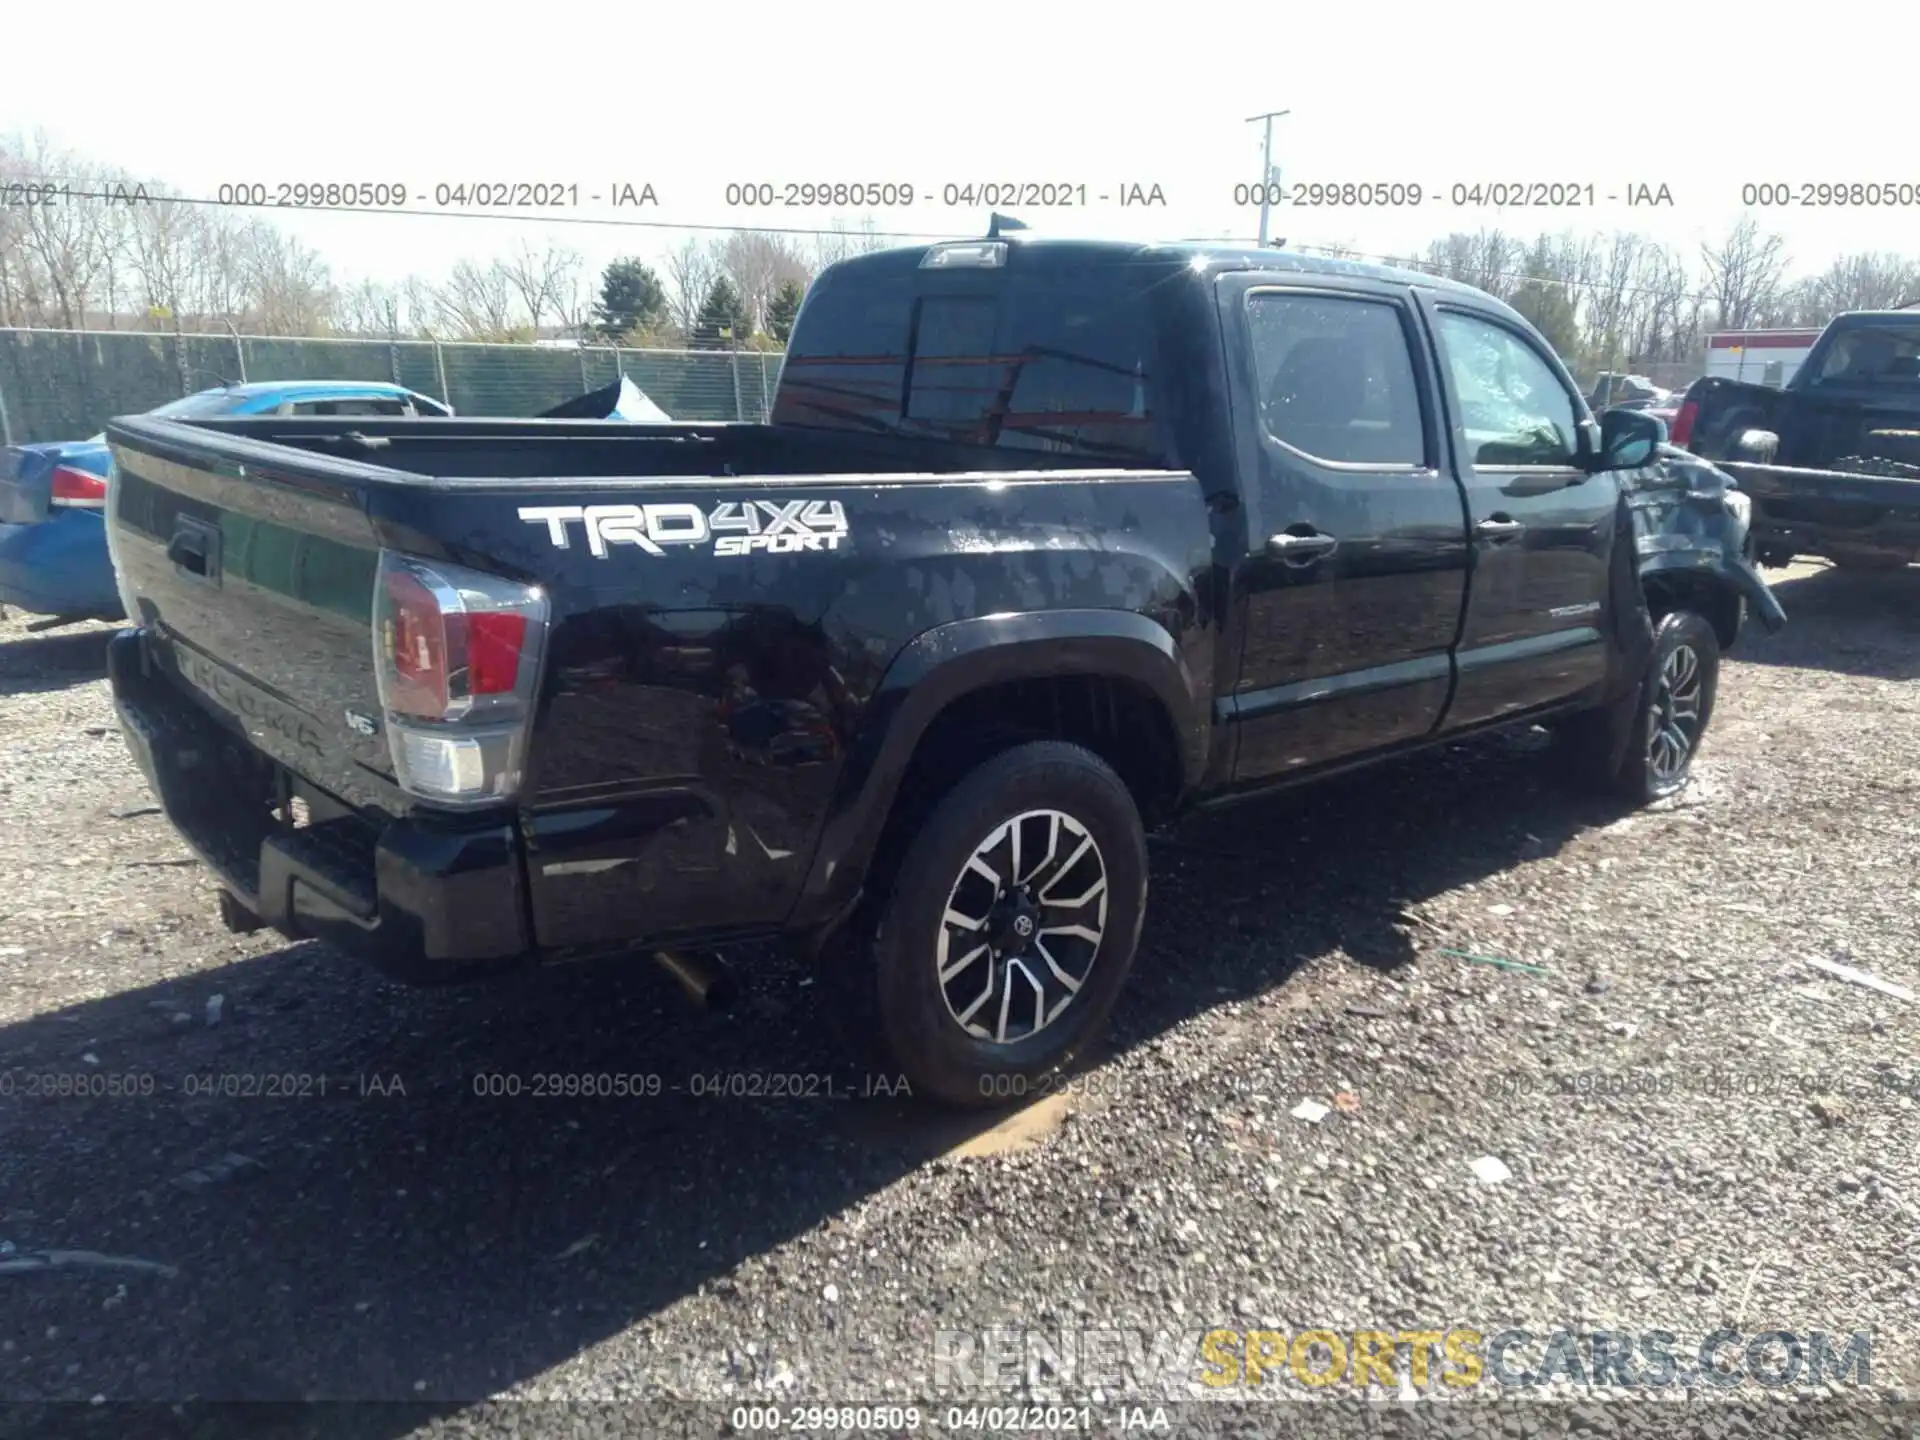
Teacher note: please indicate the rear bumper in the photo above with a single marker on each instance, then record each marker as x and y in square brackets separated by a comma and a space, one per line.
[421, 902]
[59, 566]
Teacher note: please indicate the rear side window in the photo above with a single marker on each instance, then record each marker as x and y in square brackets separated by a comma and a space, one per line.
[846, 366]
[358, 406]
[1336, 378]
[1051, 364]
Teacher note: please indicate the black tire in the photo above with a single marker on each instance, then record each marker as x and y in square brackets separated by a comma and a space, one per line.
[1650, 770]
[1587, 742]
[1776, 557]
[1045, 1023]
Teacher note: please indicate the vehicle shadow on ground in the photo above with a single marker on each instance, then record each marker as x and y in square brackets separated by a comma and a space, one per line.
[408, 1235]
[55, 661]
[1852, 622]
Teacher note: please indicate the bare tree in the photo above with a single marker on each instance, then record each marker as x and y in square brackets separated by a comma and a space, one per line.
[758, 264]
[374, 308]
[169, 254]
[692, 266]
[226, 286]
[22, 289]
[423, 306]
[1488, 260]
[71, 243]
[844, 244]
[292, 290]
[478, 304]
[1865, 281]
[1611, 297]
[1745, 274]
[547, 281]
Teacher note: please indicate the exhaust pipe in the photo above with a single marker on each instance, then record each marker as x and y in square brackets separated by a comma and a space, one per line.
[705, 978]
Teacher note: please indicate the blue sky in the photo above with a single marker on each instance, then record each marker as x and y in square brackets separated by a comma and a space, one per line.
[690, 99]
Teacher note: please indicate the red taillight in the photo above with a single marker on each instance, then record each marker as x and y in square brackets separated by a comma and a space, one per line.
[494, 642]
[456, 653]
[1681, 431]
[77, 490]
[413, 640]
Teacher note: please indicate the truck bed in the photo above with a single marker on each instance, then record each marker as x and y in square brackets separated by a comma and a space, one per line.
[1844, 479]
[702, 692]
[464, 449]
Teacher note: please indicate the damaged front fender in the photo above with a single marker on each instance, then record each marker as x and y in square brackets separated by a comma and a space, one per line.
[1690, 517]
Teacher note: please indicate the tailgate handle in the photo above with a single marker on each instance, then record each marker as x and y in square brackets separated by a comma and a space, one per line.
[195, 548]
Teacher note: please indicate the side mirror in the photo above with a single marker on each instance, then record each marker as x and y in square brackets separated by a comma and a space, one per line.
[1757, 447]
[1629, 439]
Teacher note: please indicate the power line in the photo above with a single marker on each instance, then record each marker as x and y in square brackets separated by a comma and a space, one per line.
[1405, 262]
[518, 215]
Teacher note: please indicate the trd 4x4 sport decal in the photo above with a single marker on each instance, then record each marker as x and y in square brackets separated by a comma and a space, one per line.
[733, 527]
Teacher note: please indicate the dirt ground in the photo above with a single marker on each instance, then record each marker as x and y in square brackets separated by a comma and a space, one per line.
[1459, 961]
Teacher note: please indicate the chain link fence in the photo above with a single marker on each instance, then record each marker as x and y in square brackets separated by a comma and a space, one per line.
[66, 384]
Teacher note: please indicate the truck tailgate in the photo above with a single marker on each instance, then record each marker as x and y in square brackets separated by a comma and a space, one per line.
[253, 569]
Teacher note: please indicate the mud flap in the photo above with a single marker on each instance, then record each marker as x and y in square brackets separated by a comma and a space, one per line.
[1632, 638]
[1745, 577]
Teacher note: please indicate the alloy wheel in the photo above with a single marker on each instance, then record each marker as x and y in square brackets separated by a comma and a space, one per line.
[1022, 927]
[1673, 718]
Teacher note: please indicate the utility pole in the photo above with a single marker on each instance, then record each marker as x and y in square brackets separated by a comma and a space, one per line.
[1266, 167]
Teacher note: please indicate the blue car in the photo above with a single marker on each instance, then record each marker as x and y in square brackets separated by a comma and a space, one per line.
[53, 544]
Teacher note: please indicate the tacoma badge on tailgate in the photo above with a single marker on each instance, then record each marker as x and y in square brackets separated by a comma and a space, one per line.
[774, 526]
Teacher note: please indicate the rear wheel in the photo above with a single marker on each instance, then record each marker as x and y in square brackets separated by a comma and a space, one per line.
[1010, 924]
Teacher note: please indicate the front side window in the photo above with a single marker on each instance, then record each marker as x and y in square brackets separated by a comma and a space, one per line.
[1513, 407]
[1336, 378]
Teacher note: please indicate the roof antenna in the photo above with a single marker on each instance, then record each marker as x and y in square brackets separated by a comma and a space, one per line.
[1002, 222]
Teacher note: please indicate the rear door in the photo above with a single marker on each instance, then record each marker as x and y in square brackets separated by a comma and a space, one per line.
[1542, 527]
[1351, 590]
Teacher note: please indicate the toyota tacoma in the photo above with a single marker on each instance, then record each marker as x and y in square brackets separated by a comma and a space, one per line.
[1046, 541]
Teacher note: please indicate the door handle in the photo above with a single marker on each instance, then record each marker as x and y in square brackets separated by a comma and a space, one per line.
[1300, 547]
[1498, 528]
[195, 548]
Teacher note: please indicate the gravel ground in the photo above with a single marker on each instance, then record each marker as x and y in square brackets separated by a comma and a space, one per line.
[1700, 1129]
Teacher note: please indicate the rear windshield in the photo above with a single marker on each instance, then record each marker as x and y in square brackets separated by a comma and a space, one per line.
[1873, 355]
[207, 402]
[1053, 363]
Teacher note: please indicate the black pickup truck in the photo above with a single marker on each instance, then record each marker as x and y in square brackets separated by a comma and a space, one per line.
[1832, 460]
[1046, 541]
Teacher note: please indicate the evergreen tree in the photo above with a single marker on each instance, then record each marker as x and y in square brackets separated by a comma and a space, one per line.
[782, 311]
[723, 323]
[631, 298]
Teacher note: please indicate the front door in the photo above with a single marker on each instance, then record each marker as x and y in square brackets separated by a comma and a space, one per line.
[1350, 595]
[1542, 527]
